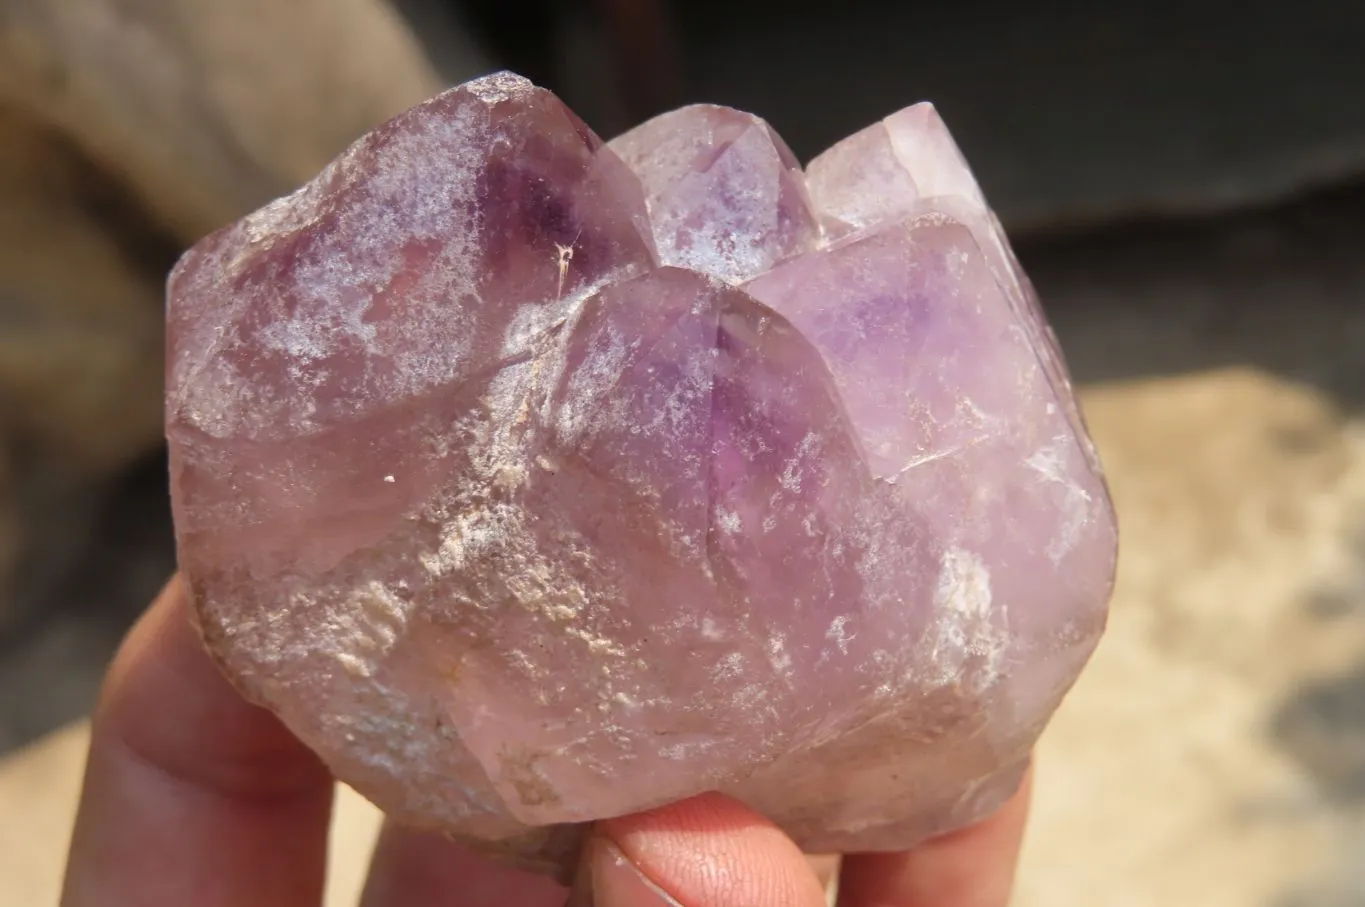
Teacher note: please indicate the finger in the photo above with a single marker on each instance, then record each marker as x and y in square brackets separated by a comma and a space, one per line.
[973, 867]
[192, 796]
[421, 869]
[709, 851]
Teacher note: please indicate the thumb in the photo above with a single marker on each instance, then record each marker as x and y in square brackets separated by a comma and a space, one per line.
[708, 851]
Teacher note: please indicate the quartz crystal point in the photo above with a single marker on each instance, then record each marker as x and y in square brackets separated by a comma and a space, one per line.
[726, 195]
[533, 480]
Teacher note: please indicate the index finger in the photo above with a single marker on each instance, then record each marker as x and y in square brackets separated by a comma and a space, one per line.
[192, 795]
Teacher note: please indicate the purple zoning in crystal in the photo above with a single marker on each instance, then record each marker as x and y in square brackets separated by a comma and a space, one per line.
[533, 480]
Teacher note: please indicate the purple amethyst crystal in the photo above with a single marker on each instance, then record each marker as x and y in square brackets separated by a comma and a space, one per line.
[533, 480]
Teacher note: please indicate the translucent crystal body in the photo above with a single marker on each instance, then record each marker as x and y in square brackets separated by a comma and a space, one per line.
[532, 480]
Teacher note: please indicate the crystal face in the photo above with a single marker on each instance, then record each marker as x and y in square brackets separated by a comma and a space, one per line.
[533, 480]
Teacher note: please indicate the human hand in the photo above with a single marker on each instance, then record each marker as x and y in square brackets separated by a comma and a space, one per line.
[195, 798]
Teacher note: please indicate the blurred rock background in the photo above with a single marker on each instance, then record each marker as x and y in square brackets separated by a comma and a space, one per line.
[1186, 182]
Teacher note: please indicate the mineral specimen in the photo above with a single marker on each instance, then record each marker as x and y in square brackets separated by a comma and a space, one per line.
[533, 480]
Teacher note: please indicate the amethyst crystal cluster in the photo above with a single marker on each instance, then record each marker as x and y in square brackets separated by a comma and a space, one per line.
[532, 479]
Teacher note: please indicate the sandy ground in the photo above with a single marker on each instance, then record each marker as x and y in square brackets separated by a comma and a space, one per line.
[1214, 752]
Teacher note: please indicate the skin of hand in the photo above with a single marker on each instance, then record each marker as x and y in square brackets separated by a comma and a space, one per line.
[194, 796]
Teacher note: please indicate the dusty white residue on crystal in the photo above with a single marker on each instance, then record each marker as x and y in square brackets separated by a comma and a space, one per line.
[790, 480]
[357, 666]
[710, 630]
[381, 730]
[499, 87]
[1047, 461]
[361, 623]
[965, 621]
[320, 328]
[750, 696]
[598, 644]
[287, 213]
[729, 667]
[1050, 463]
[317, 313]
[466, 536]
[679, 752]
[528, 331]
[957, 258]
[728, 521]
[526, 325]
[523, 663]
[569, 609]
[838, 634]
[374, 616]
[964, 585]
[777, 653]
[597, 374]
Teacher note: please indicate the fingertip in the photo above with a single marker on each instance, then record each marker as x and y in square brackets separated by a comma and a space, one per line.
[614, 881]
[708, 850]
[972, 867]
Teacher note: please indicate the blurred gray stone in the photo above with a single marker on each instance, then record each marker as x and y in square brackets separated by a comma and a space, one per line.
[127, 131]
[209, 109]
[1071, 113]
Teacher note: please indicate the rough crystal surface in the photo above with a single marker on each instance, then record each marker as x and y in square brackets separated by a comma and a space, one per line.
[532, 480]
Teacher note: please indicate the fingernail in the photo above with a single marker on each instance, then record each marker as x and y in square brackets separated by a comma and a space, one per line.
[608, 878]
